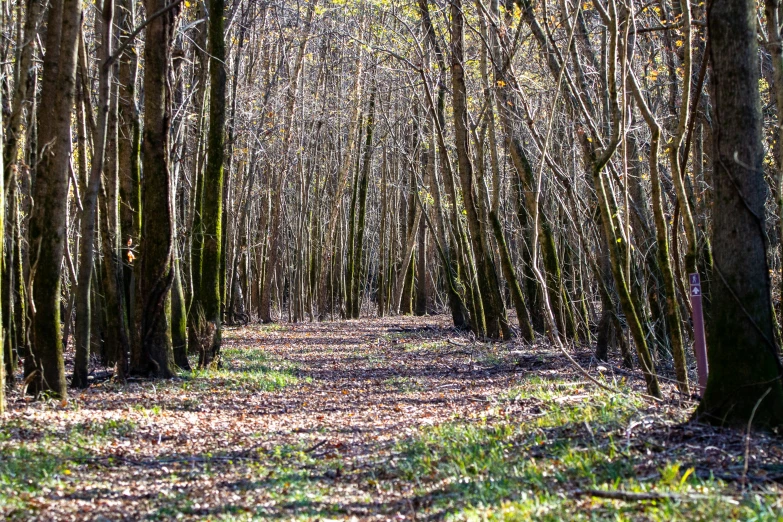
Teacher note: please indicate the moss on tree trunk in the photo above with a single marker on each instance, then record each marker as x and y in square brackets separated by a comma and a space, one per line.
[212, 210]
[48, 220]
[156, 357]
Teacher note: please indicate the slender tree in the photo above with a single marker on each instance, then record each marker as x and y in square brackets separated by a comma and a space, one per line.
[90, 204]
[2, 244]
[358, 262]
[212, 209]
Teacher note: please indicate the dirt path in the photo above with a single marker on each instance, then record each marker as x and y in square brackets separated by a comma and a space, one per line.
[311, 421]
[303, 397]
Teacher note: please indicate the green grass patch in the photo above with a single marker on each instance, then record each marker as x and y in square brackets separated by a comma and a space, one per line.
[403, 384]
[425, 346]
[246, 368]
[47, 463]
[495, 467]
[270, 327]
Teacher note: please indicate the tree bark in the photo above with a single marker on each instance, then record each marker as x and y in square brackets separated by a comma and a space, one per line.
[745, 368]
[50, 194]
[212, 210]
[156, 357]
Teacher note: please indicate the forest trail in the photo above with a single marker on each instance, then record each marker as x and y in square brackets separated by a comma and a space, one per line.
[396, 418]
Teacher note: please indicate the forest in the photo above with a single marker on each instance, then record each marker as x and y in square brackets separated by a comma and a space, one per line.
[391, 259]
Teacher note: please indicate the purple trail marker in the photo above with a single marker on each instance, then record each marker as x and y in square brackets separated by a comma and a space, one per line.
[699, 342]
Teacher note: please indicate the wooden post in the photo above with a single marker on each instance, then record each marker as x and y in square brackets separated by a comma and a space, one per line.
[699, 343]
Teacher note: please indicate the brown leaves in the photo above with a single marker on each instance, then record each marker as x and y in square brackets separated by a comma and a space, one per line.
[200, 443]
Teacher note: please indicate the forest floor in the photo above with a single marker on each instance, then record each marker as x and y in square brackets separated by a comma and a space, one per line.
[397, 418]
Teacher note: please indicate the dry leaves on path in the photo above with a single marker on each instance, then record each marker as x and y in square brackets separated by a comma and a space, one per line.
[373, 418]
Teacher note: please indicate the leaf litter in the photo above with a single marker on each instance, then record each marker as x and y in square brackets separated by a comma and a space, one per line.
[390, 418]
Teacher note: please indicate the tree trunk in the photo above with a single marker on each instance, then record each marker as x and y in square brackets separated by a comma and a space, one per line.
[745, 368]
[356, 285]
[157, 236]
[90, 202]
[664, 264]
[422, 306]
[517, 297]
[129, 168]
[775, 47]
[212, 211]
[48, 221]
[350, 258]
[494, 311]
[179, 318]
[3, 340]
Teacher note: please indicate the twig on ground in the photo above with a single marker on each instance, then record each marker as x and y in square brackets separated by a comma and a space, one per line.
[630, 496]
[626, 495]
[747, 437]
[313, 448]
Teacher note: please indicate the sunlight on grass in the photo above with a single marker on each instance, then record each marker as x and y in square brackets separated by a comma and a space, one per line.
[544, 446]
[242, 369]
[27, 471]
[423, 346]
[507, 470]
[403, 384]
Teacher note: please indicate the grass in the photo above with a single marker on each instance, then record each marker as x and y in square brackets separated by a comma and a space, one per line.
[403, 384]
[422, 346]
[46, 464]
[270, 327]
[248, 369]
[36, 461]
[520, 451]
[474, 469]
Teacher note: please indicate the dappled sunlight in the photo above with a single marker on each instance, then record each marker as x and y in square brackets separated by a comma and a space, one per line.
[398, 416]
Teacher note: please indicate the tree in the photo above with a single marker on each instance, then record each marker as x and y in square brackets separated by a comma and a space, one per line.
[494, 314]
[212, 209]
[50, 194]
[90, 205]
[155, 355]
[358, 257]
[745, 369]
[2, 243]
